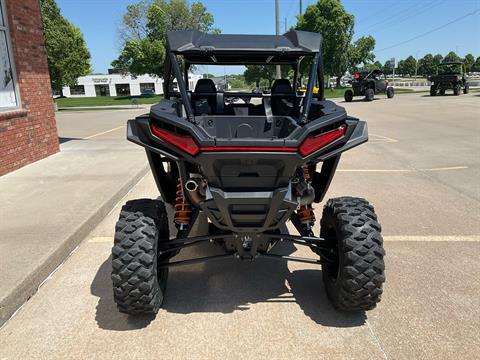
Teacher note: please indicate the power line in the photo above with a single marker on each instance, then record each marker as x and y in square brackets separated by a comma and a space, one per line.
[431, 31]
[394, 16]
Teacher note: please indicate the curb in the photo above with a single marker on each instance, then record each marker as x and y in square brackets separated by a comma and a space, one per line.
[29, 286]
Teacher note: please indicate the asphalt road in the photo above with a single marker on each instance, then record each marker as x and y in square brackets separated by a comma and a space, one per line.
[420, 170]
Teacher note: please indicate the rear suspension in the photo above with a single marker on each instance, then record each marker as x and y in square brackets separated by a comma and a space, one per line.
[305, 212]
[183, 208]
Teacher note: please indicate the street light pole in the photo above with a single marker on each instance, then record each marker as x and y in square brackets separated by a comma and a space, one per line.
[277, 32]
[301, 10]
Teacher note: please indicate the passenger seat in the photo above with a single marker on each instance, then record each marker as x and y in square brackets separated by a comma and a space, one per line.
[205, 99]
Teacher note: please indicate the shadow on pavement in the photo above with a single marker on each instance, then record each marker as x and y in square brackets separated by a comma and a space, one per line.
[360, 100]
[107, 315]
[227, 286]
[66, 139]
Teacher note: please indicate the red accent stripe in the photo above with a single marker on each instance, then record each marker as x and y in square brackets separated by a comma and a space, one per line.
[248, 148]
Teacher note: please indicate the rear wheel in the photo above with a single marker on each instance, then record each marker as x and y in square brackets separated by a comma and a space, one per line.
[138, 283]
[466, 89]
[353, 272]
[433, 90]
[442, 92]
[369, 94]
[348, 96]
[456, 89]
[390, 92]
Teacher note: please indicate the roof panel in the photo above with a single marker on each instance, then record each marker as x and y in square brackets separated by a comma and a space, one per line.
[192, 42]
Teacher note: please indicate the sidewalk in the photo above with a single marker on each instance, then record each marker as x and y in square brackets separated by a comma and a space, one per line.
[48, 207]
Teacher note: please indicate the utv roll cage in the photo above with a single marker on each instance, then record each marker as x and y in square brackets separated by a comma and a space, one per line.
[193, 47]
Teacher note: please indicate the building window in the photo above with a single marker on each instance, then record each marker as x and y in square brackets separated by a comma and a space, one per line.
[77, 90]
[123, 89]
[8, 93]
[147, 88]
[102, 90]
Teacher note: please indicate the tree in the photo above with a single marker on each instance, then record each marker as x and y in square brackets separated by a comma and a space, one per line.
[377, 65]
[143, 32]
[336, 25]
[361, 52]
[387, 67]
[476, 65]
[407, 66]
[67, 54]
[451, 56]
[469, 60]
[437, 59]
[255, 73]
[427, 65]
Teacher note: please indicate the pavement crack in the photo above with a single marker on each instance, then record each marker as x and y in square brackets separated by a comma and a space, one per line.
[376, 339]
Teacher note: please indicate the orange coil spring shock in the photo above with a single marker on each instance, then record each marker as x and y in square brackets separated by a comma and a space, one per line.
[183, 208]
[305, 212]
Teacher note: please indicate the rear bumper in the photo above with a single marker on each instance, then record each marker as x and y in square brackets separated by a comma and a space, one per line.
[249, 212]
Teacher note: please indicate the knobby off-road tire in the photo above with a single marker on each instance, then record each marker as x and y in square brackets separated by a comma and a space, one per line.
[390, 92]
[348, 96]
[138, 284]
[354, 279]
[433, 90]
[466, 89]
[457, 89]
[369, 94]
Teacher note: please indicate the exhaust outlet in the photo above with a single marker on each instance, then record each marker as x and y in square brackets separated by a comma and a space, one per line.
[196, 190]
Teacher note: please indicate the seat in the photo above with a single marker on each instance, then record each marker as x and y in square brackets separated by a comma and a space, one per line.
[282, 106]
[204, 97]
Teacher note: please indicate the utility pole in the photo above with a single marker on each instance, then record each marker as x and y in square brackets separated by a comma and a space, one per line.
[285, 24]
[416, 65]
[277, 32]
[301, 10]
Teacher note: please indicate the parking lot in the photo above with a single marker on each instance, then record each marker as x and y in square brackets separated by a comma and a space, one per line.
[420, 170]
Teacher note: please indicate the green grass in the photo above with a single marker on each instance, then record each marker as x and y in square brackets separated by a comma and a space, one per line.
[106, 101]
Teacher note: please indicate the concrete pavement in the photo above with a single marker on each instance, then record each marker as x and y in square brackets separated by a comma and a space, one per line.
[50, 206]
[420, 170]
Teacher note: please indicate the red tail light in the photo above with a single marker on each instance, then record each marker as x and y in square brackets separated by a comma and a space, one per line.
[183, 142]
[314, 143]
[356, 76]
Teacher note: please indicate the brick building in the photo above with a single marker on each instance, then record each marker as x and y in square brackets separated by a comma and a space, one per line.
[27, 121]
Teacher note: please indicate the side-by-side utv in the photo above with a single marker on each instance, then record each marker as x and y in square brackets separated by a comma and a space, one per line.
[249, 165]
[450, 75]
[368, 83]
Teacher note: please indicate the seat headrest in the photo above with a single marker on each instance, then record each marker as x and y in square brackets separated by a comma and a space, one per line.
[205, 86]
[282, 86]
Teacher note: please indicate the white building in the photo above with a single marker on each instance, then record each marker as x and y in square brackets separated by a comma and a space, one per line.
[120, 85]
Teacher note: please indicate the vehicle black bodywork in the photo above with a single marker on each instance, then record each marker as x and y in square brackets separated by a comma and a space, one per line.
[369, 83]
[450, 75]
[250, 166]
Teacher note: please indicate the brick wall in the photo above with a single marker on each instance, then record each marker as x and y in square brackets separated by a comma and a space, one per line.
[29, 133]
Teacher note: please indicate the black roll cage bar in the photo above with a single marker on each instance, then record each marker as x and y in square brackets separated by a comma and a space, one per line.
[172, 65]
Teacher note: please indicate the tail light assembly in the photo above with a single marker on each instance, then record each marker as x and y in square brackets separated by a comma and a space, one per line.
[185, 143]
[316, 142]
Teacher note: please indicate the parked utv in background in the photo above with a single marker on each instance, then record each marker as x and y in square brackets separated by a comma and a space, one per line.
[450, 75]
[249, 166]
[369, 83]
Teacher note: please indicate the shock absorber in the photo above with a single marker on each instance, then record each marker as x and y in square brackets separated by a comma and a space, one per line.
[305, 212]
[183, 209]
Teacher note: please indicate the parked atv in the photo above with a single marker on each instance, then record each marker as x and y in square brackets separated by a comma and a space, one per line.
[450, 75]
[249, 167]
[369, 83]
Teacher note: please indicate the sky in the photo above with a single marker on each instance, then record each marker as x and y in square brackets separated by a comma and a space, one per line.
[393, 23]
